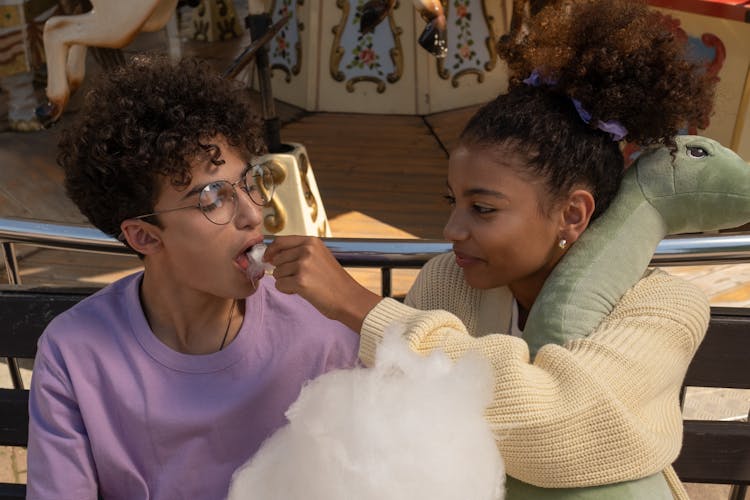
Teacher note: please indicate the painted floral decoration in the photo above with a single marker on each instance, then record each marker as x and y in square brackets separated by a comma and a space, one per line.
[464, 53]
[364, 54]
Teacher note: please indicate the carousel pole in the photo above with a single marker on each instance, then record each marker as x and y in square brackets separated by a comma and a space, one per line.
[296, 207]
[258, 22]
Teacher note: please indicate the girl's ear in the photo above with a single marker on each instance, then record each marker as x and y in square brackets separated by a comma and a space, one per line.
[142, 237]
[576, 214]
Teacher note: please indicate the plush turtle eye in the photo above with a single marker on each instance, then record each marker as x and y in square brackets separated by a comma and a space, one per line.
[696, 152]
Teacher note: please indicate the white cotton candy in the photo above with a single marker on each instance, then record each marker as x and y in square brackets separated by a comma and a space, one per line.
[256, 266]
[410, 428]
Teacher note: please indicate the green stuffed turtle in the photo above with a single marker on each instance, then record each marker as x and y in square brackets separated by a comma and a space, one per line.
[702, 186]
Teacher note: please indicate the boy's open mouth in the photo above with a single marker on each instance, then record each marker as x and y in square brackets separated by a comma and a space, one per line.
[251, 262]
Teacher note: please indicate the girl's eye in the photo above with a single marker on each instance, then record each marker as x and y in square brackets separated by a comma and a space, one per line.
[482, 210]
[450, 200]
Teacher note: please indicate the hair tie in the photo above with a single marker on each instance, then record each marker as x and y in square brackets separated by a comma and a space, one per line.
[614, 128]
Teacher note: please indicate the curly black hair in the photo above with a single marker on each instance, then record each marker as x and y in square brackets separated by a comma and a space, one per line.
[144, 122]
[621, 62]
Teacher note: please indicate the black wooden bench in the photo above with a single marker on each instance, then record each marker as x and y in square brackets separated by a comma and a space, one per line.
[719, 451]
[712, 452]
[24, 313]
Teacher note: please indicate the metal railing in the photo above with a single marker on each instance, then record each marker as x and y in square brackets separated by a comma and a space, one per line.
[386, 254]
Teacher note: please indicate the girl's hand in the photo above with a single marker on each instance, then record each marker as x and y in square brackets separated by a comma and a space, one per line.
[305, 266]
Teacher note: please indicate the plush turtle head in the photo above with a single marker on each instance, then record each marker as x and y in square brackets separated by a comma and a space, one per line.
[704, 186]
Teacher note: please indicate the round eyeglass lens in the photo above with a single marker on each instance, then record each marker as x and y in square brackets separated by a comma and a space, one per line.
[218, 202]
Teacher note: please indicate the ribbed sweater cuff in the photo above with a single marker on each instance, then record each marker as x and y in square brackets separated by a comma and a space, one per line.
[385, 313]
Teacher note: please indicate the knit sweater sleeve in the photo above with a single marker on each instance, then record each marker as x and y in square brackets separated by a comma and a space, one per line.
[598, 410]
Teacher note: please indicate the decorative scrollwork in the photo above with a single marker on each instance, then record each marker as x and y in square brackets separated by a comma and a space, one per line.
[377, 81]
[337, 51]
[468, 71]
[275, 221]
[304, 167]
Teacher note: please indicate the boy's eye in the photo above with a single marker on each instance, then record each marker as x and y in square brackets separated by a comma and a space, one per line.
[449, 199]
[215, 196]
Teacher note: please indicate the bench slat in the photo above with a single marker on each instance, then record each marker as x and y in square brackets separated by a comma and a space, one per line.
[715, 452]
[9, 491]
[723, 357]
[14, 417]
[25, 314]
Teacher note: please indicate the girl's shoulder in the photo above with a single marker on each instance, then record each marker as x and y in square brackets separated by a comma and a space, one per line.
[670, 298]
[661, 286]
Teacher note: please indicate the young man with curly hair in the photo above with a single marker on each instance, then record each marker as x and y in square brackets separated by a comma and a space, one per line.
[163, 383]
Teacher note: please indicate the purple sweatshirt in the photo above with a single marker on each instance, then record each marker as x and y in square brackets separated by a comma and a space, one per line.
[116, 412]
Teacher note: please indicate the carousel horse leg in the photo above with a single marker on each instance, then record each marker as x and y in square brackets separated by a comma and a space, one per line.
[160, 15]
[75, 69]
[111, 24]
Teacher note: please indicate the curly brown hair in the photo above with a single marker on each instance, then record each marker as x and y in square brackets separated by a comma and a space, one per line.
[144, 122]
[621, 62]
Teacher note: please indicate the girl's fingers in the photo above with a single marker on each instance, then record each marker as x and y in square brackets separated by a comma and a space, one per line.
[282, 244]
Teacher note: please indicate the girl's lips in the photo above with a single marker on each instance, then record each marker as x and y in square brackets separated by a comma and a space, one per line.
[463, 260]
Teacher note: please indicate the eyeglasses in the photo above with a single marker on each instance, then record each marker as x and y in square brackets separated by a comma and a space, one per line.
[218, 200]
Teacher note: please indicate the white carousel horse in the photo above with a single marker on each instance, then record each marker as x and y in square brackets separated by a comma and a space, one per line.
[110, 24]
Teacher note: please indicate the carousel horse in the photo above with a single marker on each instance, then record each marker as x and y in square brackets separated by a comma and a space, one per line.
[701, 186]
[109, 24]
[521, 13]
[434, 38]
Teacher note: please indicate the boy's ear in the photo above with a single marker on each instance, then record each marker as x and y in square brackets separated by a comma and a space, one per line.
[142, 237]
[576, 214]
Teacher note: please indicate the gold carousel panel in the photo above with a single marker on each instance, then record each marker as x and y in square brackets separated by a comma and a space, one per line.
[368, 65]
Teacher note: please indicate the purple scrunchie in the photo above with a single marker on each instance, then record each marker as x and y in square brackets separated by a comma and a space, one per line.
[614, 128]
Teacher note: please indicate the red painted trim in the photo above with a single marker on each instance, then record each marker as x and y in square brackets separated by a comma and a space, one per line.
[736, 10]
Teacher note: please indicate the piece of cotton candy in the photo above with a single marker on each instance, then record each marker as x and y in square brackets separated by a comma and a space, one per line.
[256, 266]
[412, 427]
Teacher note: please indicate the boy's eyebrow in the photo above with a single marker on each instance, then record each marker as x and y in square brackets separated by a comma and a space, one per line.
[194, 191]
[197, 189]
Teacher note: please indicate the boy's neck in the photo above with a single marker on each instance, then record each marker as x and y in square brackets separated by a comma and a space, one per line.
[191, 324]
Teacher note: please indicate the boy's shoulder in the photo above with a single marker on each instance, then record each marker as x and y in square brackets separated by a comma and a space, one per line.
[106, 306]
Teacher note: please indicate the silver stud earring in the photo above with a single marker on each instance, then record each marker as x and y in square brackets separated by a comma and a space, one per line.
[562, 243]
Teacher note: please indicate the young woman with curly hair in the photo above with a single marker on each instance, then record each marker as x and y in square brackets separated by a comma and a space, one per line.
[596, 418]
[163, 383]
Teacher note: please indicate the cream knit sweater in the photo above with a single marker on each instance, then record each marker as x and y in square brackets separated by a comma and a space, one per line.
[598, 410]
